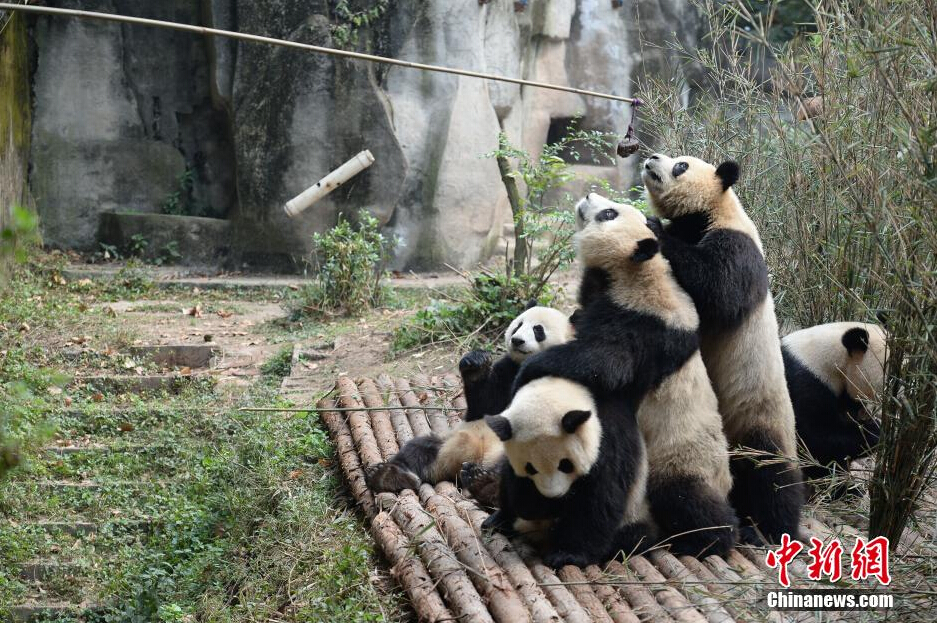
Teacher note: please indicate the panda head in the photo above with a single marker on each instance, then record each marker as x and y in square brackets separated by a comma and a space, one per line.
[537, 329]
[551, 433]
[612, 235]
[687, 185]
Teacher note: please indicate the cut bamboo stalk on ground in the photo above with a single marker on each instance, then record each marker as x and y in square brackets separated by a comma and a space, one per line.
[457, 401]
[579, 586]
[418, 422]
[641, 599]
[617, 608]
[436, 417]
[398, 417]
[347, 457]
[408, 570]
[558, 592]
[676, 604]
[491, 582]
[358, 422]
[456, 587]
[380, 419]
[691, 585]
[740, 592]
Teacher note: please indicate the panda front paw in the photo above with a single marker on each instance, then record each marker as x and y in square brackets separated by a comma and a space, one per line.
[499, 521]
[560, 558]
[390, 477]
[475, 365]
[484, 484]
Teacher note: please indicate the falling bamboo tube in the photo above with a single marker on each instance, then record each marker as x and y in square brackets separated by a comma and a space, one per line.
[328, 183]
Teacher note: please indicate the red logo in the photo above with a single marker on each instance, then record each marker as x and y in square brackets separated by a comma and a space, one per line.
[868, 559]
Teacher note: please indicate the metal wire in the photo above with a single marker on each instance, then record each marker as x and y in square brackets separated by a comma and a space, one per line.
[203, 30]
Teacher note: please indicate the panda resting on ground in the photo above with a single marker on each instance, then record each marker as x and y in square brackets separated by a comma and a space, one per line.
[831, 370]
[716, 255]
[575, 463]
[430, 458]
[689, 478]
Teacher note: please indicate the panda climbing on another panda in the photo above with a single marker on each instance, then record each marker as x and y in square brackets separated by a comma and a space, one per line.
[636, 339]
[487, 386]
[832, 369]
[716, 255]
[575, 463]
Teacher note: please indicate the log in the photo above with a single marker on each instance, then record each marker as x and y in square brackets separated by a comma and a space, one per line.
[398, 417]
[408, 570]
[491, 582]
[641, 599]
[417, 417]
[579, 586]
[500, 548]
[747, 596]
[557, 592]
[691, 585]
[436, 417]
[617, 608]
[457, 399]
[675, 603]
[358, 422]
[454, 584]
[347, 456]
[729, 597]
[749, 571]
[380, 419]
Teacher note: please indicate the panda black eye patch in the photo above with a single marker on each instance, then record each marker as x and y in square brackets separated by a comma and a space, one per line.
[608, 214]
[530, 469]
[680, 168]
[539, 333]
[566, 466]
[517, 328]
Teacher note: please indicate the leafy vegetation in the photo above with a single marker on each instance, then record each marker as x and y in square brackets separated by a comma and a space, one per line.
[350, 263]
[843, 197]
[349, 17]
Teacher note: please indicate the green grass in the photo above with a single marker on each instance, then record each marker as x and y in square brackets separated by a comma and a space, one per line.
[205, 512]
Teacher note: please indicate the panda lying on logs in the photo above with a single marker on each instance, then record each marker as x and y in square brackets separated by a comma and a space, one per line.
[430, 458]
[831, 370]
[716, 255]
[635, 339]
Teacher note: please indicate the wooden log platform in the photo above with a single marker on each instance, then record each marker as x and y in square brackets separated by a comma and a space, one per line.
[453, 571]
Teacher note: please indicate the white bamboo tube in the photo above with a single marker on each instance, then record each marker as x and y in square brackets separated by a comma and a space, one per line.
[329, 183]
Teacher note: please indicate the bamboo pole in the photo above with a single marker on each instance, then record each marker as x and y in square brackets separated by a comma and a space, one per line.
[360, 56]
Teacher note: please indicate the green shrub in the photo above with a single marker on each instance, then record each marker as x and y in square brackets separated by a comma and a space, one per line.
[844, 200]
[350, 260]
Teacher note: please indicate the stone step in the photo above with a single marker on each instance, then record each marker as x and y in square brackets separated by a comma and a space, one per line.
[41, 610]
[66, 450]
[140, 384]
[41, 570]
[193, 356]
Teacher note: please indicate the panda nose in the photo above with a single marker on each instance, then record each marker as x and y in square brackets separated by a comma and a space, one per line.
[517, 341]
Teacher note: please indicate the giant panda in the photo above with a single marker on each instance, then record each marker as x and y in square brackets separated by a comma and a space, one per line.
[832, 370]
[487, 387]
[716, 255]
[689, 478]
[576, 462]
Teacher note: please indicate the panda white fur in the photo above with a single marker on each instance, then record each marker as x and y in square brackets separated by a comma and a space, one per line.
[832, 370]
[487, 386]
[689, 478]
[575, 462]
[716, 255]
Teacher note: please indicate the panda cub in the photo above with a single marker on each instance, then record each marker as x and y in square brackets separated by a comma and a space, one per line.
[831, 370]
[689, 478]
[429, 458]
[576, 462]
[716, 255]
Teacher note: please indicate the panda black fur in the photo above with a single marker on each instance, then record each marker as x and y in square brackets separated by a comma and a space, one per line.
[831, 370]
[430, 458]
[575, 463]
[689, 478]
[716, 255]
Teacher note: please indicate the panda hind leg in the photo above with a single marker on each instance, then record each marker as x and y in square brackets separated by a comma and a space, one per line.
[632, 539]
[693, 519]
[408, 468]
[482, 482]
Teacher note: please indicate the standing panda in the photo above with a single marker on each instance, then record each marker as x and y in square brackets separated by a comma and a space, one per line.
[831, 370]
[717, 257]
[430, 458]
[576, 463]
[689, 478]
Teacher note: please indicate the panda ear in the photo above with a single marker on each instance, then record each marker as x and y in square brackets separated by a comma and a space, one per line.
[531, 304]
[856, 341]
[645, 250]
[729, 173]
[574, 419]
[500, 425]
